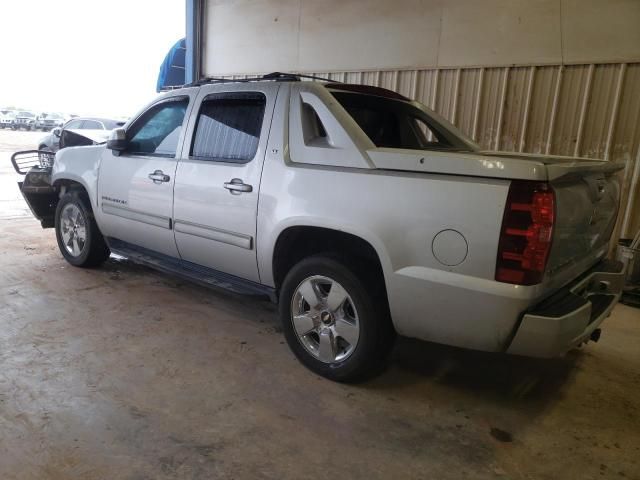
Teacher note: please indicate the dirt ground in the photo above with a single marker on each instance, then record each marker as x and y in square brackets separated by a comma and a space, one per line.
[124, 373]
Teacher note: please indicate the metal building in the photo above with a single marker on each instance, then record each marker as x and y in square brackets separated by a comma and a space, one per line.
[554, 77]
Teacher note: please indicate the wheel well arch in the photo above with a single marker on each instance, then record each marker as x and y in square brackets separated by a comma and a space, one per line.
[65, 185]
[70, 185]
[44, 205]
[298, 242]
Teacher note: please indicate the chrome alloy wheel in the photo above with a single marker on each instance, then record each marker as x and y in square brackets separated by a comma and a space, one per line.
[325, 319]
[73, 229]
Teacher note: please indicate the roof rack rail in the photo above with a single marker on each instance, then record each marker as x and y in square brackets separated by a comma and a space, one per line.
[295, 76]
[274, 76]
[281, 77]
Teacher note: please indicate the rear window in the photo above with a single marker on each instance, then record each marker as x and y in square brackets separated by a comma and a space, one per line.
[391, 123]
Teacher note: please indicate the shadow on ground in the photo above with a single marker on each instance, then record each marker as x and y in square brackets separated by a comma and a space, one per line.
[481, 372]
[412, 361]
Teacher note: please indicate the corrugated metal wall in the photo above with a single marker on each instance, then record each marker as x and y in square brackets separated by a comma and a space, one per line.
[577, 110]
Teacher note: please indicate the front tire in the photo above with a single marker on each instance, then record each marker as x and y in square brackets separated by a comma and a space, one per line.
[79, 239]
[335, 318]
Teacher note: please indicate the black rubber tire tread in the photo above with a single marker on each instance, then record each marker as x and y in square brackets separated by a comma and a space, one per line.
[367, 292]
[96, 250]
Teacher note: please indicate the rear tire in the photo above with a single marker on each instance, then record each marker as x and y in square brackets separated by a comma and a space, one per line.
[335, 318]
[78, 235]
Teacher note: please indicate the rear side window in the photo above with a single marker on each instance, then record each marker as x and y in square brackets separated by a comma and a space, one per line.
[73, 125]
[228, 128]
[391, 123]
[157, 132]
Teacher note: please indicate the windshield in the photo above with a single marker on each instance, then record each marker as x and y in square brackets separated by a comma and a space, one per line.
[391, 123]
[25, 114]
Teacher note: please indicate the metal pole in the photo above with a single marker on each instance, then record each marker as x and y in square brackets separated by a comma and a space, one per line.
[194, 13]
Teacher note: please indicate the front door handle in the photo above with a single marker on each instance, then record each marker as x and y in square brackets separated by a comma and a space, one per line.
[159, 177]
[237, 186]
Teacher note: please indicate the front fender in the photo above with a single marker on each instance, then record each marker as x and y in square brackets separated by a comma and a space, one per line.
[81, 165]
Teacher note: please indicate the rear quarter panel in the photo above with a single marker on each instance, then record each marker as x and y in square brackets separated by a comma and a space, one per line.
[399, 214]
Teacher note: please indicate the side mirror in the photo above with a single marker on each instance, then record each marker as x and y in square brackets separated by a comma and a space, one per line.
[117, 140]
[57, 131]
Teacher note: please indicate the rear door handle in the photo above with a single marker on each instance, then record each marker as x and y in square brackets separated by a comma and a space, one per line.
[159, 177]
[237, 186]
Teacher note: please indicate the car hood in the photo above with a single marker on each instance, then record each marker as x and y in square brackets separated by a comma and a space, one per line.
[97, 136]
[77, 138]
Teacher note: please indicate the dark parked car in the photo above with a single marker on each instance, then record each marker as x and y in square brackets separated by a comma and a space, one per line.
[79, 131]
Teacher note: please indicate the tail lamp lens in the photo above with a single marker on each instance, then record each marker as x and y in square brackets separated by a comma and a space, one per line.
[527, 232]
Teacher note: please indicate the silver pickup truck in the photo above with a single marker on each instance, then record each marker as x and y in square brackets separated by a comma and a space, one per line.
[362, 213]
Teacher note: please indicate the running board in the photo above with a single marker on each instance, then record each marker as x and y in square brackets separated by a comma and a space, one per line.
[192, 272]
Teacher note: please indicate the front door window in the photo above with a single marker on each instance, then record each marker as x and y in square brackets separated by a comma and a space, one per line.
[158, 130]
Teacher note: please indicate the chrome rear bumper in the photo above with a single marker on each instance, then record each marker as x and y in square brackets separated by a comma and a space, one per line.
[570, 316]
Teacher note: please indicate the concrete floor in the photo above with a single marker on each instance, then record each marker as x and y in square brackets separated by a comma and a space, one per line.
[125, 373]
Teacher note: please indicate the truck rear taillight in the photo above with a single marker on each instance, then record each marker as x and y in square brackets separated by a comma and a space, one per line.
[527, 231]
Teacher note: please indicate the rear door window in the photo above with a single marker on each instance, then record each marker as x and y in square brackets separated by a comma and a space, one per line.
[228, 127]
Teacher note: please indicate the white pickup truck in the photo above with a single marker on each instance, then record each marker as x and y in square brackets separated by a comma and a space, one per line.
[364, 214]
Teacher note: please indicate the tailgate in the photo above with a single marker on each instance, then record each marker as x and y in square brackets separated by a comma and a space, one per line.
[587, 199]
[587, 196]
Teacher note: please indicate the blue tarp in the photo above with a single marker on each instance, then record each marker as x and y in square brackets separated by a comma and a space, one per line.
[172, 69]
